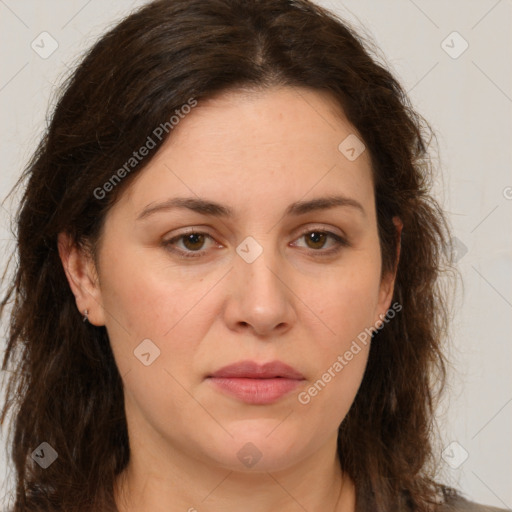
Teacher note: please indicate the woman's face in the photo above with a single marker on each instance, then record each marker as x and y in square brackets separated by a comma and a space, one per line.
[264, 279]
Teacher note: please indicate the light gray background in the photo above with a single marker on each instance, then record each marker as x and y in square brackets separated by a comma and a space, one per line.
[468, 102]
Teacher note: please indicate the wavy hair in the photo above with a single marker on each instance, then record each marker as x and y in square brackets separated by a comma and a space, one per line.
[64, 387]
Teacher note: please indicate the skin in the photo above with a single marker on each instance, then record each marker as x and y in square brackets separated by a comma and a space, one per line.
[256, 153]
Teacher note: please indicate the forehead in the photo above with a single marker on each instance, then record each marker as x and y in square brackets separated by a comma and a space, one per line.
[274, 119]
[248, 147]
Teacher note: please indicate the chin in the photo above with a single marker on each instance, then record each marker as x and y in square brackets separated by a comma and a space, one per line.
[260, 445]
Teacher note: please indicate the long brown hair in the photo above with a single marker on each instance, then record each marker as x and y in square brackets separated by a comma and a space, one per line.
[64, 387]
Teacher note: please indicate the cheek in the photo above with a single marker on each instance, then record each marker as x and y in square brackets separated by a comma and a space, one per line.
[137, 308]
[324, 403]
[145, 296]
[168, 306]
[166, 319]
[344, 306]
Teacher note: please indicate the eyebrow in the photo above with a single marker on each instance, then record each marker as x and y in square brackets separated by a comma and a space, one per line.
[205, 207]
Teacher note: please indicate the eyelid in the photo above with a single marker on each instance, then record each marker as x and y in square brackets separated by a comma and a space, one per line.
[324, 229]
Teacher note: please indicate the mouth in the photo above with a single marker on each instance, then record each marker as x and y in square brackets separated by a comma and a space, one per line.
[256, 384]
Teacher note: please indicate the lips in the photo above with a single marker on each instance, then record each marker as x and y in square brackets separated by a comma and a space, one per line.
[256, 384]
[252, 370]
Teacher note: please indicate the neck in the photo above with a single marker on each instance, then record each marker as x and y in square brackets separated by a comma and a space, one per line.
[178, 482]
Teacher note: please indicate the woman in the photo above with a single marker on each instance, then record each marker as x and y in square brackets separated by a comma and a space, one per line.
[227, 296]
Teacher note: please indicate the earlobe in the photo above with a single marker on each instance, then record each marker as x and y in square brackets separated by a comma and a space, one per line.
[82, 277]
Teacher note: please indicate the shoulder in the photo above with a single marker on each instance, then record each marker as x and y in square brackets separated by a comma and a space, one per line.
[460, 504]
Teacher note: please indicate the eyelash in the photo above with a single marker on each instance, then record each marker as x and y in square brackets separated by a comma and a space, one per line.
[340, 243]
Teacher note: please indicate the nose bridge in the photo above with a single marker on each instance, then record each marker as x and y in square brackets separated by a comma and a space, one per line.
[262, 297]
[257, 263]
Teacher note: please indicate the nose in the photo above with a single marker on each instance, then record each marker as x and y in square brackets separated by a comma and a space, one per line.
[261, 298]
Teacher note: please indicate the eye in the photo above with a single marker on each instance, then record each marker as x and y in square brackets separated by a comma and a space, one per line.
[316, 239]
[193, 241]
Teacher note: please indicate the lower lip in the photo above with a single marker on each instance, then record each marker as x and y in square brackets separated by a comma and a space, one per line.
[256, 391]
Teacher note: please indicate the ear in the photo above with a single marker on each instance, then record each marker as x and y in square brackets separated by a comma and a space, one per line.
[387, 284]
[82, 277]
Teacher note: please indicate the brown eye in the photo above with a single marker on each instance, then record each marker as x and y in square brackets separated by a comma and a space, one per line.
[192, 243]
[316, 240]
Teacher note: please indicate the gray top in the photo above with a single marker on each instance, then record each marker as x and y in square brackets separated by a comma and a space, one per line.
[460, 504]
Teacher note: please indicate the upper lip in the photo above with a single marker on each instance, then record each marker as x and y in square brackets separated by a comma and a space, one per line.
[253, 370]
